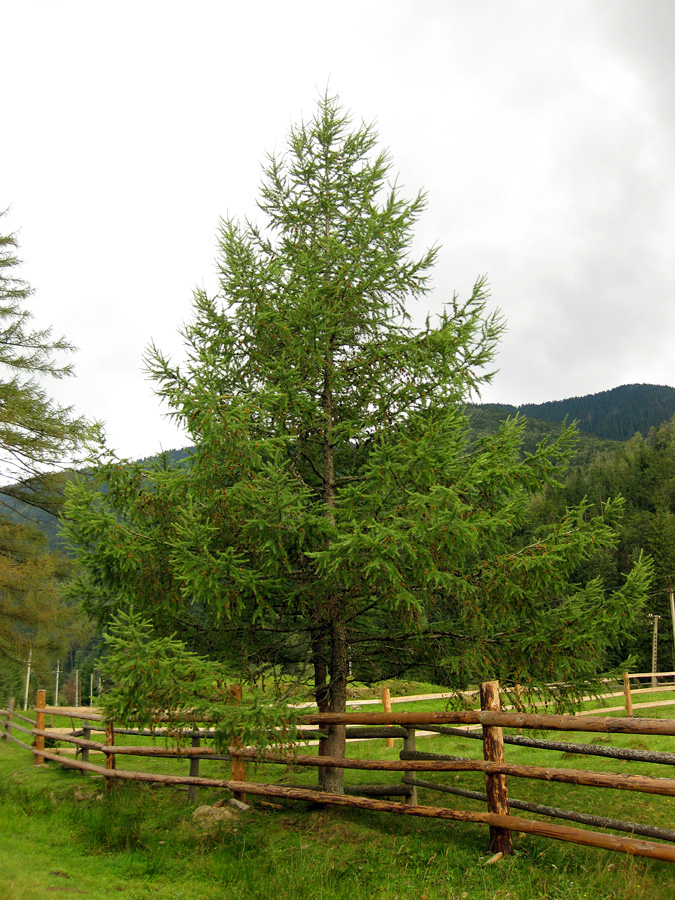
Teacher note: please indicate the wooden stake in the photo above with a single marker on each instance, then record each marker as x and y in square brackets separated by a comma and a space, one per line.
[194, 772]
[109, 756]
[86, 734]
[10, 715]
[518, 702]
[409, 777]
[238, 764]
[626, 691]
[495, 785]
[40, 725]
[386, 706]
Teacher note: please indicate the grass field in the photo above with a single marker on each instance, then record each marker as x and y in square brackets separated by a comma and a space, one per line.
[60, 833]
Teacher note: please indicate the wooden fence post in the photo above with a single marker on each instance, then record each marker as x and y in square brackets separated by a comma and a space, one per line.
[110, 755]
[626, 690]
[386, 705]
[194, 771]
[238, 764]
[408, 777]
[11, 703]
[39, 726]
[495, 785]
[519, 701]
[86, 734]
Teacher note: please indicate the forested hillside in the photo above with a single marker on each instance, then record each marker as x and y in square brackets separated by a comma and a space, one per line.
[614, 415]
[484, 419]
[642, 472]
[639, 469]
[38, 501]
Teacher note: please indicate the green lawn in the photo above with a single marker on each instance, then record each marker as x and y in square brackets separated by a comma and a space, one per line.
[61, 833]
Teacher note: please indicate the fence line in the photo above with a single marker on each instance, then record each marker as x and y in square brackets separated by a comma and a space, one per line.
[410, 763]
[420, 762]
[507, 822]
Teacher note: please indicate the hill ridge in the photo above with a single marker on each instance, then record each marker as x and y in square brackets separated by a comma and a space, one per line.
[615, 415]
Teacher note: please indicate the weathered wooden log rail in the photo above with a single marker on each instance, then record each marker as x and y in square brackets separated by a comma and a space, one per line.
[537, 721]
[519, 740]
[411, 764]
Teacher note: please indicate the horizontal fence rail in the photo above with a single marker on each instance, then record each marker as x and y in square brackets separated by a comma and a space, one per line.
[538, 721]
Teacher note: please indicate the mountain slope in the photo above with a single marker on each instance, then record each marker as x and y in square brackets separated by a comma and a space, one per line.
[613, 415]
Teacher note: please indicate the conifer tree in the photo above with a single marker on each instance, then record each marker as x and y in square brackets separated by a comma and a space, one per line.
[36, 435]
[333, 513]
[35, 432]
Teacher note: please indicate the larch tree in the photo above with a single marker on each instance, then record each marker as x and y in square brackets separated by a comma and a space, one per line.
[333, 515]
[36, 436]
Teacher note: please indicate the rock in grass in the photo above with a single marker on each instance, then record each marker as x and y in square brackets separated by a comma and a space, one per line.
[236, 804]
[208, 816]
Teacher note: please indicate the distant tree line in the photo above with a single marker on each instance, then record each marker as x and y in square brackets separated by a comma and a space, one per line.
[642, 472]
[614, 415]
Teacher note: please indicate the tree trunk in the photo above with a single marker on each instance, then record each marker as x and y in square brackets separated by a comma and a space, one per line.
[321, 689]
[335, 744]
[333, 779]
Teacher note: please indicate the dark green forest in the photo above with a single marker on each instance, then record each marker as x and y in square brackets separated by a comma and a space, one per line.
[614, 415]
[642, 472]
[625, 448]
[639, 468]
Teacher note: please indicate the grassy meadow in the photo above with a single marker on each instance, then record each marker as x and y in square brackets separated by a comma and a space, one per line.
[61, 833]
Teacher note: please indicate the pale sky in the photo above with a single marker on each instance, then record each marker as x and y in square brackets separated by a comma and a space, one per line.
[544, 134]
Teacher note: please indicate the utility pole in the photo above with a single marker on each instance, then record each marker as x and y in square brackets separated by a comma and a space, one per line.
[56, 682]
[25, 696]
[655, 647]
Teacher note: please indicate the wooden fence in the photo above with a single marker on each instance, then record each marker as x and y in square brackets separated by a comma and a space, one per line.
[413, 765]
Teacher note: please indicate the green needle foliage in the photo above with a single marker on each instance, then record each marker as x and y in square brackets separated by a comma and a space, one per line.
[33, 613]
[158, 679]
[36, 434]
[333, 516]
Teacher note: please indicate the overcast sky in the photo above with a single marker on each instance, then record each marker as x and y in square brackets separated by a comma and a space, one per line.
[544, 134]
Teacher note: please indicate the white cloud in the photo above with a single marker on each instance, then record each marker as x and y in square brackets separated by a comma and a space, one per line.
[542, 132]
